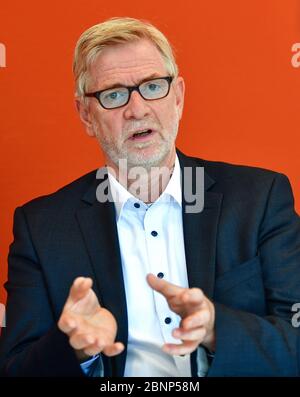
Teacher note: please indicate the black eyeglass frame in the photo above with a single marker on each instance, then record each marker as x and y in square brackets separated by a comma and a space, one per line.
[130, 89]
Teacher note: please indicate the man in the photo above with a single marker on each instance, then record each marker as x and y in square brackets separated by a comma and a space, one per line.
[135, 284]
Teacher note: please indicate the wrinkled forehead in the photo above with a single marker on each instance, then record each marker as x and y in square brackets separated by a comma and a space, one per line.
[127, 64]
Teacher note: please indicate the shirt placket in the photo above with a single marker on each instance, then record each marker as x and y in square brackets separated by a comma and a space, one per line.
[158, 263]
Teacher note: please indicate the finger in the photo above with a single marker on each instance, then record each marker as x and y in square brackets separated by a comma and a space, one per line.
[183, 303]
[114, 349]
[97, 347]
[193, 296]
[187, 301]
[81, 341]
[167, 289]
[196, 334]
[186, 347]
[67, 323]
[92, 350]
[79, 289]
[197, 319]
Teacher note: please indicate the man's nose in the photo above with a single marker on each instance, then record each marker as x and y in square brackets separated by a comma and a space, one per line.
[137, 107]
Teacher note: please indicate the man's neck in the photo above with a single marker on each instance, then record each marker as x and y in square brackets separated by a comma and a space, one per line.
[146, 184]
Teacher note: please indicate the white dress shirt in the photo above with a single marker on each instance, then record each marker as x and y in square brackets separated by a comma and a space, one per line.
[151, 241]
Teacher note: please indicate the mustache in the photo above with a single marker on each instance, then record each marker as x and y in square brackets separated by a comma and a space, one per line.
[139, 125]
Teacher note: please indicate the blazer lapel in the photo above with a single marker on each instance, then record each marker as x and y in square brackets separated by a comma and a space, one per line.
[200, 235]
[200, 232]
[99, 230]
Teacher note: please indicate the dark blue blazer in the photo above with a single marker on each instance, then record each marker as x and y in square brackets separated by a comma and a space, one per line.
[242, 250]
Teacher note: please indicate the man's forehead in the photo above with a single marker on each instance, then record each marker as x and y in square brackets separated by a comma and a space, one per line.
[129, 53]
[123, 61]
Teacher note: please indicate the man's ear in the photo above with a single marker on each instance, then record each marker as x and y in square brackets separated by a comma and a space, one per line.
[179, 92]
[84, 114]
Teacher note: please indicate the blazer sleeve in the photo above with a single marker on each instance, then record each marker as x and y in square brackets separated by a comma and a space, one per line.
[248, 344]
[31, 343]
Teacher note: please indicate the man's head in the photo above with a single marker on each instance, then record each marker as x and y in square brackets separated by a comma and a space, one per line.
[125, 52]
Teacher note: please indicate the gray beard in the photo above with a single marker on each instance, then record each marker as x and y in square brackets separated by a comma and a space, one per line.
[138, 159]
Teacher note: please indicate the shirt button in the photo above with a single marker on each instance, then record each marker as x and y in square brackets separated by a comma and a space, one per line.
[154, 233]
[168, 320]
[160, 275]
[137, 205]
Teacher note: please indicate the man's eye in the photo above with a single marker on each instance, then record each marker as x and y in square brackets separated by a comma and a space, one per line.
[113, 95]
[153, 87]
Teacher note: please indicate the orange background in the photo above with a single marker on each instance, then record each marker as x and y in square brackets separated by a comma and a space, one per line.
[242, 99]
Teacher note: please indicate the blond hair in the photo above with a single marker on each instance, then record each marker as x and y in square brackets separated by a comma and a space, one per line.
[111, 32]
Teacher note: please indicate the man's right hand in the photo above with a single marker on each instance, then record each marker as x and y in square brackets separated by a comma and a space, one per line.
[91, 328]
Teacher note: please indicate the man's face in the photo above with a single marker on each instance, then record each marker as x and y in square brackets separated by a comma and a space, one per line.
[128, 65]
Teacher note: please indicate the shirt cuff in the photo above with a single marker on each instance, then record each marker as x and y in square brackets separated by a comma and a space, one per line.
[86, 365]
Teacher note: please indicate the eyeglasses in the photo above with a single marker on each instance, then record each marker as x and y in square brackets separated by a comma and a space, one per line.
[150, 90]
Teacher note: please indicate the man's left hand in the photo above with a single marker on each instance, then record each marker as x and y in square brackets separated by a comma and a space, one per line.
[197, 314]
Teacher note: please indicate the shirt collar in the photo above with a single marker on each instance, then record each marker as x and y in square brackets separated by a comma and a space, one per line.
[120, 195]
[173, 188]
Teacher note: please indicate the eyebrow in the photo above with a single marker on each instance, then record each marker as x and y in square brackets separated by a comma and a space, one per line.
[117, 85]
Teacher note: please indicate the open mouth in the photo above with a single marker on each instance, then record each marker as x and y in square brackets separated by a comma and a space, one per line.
[141, 134]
